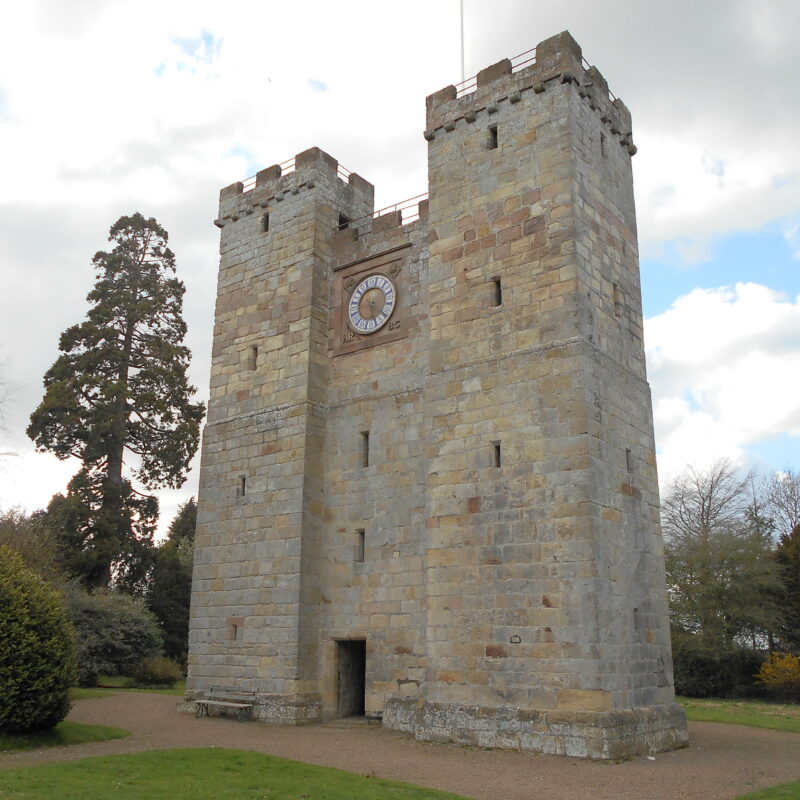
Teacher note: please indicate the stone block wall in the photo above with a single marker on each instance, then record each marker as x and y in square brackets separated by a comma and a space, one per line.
[471, 490]
[259, 515]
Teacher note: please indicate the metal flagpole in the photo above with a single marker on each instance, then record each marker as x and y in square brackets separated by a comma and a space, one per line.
[463, 76]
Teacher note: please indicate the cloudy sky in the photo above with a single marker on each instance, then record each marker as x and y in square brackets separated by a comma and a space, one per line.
[112, 107]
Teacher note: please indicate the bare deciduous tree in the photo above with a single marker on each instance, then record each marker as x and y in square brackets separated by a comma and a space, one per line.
[721, 573]
[782, 493]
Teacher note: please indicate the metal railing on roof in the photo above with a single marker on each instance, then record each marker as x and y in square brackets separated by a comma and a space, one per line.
[289, 166]
[409, 212]
[587, 65]
[517, 63]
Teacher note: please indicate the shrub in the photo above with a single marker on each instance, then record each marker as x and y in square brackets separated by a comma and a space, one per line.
[157, 672]
[37, 653]
[113, 633]
[781, 675]
[703, 669]
[169, 594]
[698, 672]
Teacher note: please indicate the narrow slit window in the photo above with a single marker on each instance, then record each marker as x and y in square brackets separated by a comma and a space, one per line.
[628, 460]
[497, 292]
[603, 150]
[252, 357]
[242, 489]
[344, 222]
[364, 448]
[493, 137]
[497, 454]
[361, 536]
[617, 302]
[234, 629]
[264, 223]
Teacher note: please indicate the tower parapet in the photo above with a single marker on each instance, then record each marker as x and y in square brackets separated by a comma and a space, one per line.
[557, 60]
[273, 184]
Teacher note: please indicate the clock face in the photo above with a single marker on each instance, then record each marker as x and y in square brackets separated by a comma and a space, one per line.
[371, 304]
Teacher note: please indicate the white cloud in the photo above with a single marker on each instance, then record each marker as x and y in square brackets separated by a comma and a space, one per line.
[111, 107]
[723, 366]
[28, 480]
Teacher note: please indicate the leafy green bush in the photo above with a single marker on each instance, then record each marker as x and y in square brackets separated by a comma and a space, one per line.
[157, 672]
[37, 653]
[113, 632]
[703, 669]
[698, 672]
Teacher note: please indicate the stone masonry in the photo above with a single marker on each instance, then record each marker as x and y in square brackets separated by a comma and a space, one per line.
[467, 493]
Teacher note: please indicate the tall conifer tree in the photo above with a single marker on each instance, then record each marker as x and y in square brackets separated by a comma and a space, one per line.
[118, 394]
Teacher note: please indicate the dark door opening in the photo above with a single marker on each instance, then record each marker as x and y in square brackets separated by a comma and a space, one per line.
[352, 659]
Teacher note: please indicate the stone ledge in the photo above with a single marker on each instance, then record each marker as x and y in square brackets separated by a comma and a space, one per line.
[606, 735]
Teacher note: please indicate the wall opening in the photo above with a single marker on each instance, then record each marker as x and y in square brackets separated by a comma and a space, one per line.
[603, 150]
[497, 292]
[497, 454]
[628, 460]
[364, 448]
[344, 222]
[252, 357]
[617, 302]
[264, 223]
[234, 627]
[492, 145]
[361, 536]
[241, 490]
[351, 677]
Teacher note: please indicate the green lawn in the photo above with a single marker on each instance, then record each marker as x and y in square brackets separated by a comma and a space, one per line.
[63, 733]
[201, 773]
[116, 684]
[785, 791]
[776, 716]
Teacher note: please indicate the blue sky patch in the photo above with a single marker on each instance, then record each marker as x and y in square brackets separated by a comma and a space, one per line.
[774, 454]
[317, 86]
[764, 257]
[713, 165]
[252, 165]
[204, 47]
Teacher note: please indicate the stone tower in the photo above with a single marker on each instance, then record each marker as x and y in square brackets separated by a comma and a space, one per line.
[428, 485]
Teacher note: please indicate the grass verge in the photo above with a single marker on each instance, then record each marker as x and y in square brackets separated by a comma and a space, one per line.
[784, 791]
[201, 773]
[775, 716]
[108, 686]
[63, 733]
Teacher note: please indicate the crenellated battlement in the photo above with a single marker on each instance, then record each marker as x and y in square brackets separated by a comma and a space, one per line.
[555, 61]
[402, 213]
[272, 184]
[383, 230]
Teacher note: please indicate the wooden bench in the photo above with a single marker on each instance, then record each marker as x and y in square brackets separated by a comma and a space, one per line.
[232, 697]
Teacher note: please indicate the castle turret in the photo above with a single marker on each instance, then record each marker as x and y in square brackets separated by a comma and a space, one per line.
[255, 588]
[547, 613]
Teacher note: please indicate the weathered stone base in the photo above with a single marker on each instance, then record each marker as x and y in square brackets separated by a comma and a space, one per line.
[584, 734]
[274, 708]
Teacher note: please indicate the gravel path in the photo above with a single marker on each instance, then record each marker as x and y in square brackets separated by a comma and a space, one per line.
[722, 761]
